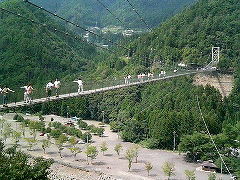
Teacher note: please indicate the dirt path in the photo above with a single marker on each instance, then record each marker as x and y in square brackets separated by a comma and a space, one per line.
[224, 83]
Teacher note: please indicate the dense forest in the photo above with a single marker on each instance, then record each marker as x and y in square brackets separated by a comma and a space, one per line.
[154, 113]
[30, 53]
[189, 36]
[91, 13]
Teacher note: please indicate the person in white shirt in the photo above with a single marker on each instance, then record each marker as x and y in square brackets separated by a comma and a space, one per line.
[25, 96]
[129, 79]
[80, 85]
[5, 91]
[49, 88]
[29, 91]
[125, 80]
[57, 85]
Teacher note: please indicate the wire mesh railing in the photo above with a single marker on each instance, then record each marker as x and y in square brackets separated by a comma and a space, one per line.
[69, 89]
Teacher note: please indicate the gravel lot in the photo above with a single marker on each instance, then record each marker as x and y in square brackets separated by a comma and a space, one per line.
[110, 164]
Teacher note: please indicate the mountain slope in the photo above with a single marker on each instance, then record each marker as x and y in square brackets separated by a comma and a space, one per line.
[189, 36]
[31, 53]
[91, 12]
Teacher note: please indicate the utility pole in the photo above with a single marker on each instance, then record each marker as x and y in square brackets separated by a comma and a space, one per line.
[174, 140]
[67, 111]
[87, 138]
[102, 116]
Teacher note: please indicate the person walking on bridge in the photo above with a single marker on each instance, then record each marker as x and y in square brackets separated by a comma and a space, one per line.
[5, 91]
[49, 88]
[129, 79]
[0, 90]
[25, 96]
[80, 85]
[57, 85]
[29, 91]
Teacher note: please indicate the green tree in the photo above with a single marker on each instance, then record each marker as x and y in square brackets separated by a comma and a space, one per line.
[129, 155]
[190, 175]
[148, 167]
[168, 169]
[91, 152]
[86, 137]
[41, 118]
[136, 149]
[17, 165]
[73, 141]
[82, 124]
[23, 128]
[118, 148]
[16, 137]
[75, 151]
[103, 147]
[35, 126]
[31, 142]
[2, 122]
[45, 144]
[55, 133]
[100, 131]
[59, 143]
[212, 176]
[7, 131]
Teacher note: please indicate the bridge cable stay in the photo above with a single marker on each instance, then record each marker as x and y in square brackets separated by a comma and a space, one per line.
[140, 17]
[213, 142]
[114, 15]
[78, 26]
[54, 29]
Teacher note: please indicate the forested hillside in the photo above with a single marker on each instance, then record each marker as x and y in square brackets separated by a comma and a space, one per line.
[37, 54]
[91, 13]
[147, 114]
[189, 36]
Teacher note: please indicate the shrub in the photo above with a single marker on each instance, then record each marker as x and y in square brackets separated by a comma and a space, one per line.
[48, 130]
[15, 117]
[150, 143]
[71, 131]
[86, 137]
[18, 118]
[92, 127]
[27, 122]
[82, 124]
[55, 133]
[100, 131]
[115, 126]
[56, 125]
[78, 133]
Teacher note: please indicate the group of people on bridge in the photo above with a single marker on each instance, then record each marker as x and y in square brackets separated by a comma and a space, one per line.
[55, 86]
[141, 77]
[28, 90]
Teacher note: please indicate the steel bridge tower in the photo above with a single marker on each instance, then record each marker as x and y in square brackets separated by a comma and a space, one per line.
[215, 57]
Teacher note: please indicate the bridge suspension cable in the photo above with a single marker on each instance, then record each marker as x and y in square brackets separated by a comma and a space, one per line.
[78, 26]
[140, 17]
[53, 28]
[213, 142]
[117, 18]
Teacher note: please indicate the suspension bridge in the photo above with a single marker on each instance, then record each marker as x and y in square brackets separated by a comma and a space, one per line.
[122, 84]
[69, 92]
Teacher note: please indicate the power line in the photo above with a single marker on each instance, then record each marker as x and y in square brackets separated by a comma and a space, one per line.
[78, 26]
[53, 28]
[213, 142]
[110, 11]
[140, 17]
